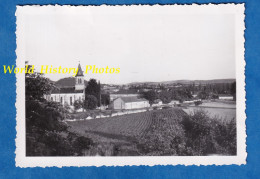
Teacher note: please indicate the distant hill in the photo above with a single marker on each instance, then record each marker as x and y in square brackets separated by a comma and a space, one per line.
[188, 82]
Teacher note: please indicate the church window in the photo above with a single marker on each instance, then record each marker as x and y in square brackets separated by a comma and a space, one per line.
[60, 99]
[51, 98]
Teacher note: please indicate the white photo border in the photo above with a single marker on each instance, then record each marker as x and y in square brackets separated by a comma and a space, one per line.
[24, 161]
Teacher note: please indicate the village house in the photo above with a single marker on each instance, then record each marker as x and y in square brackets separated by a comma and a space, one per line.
[129, 103]
[69, 89]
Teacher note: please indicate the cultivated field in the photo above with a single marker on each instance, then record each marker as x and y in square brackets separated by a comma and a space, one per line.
[124, 128]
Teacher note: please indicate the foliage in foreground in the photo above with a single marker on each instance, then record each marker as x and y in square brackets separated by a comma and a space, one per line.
[206, 135]
[162, 138]
[196, 134]
[46, 133]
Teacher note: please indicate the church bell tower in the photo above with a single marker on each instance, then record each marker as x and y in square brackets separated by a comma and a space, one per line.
[80, 84]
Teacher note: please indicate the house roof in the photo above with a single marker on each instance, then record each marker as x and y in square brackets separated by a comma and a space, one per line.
[132, 99]
[80, 72]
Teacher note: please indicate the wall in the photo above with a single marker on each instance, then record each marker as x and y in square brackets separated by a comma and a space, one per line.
[118, 104]
[136, 105]
[65, 97]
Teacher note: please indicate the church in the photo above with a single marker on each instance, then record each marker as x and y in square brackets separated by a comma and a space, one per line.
[69, 89]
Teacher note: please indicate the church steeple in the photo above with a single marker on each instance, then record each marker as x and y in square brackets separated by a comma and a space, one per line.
[80, 72]
[80, 84]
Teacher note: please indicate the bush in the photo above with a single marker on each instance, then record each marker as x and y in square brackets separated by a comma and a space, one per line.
[197, 103]
[161, 139]
[46, 134]
[206, 135]
[196, 134]
[82, 143]
[90, 102]
[78, 105]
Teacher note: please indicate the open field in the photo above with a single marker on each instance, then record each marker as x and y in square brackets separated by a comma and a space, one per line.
[225, 110]
[219, 104]
[223, 113]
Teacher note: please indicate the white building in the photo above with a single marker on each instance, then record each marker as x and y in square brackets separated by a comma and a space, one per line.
[174, 102]
[157, 102]
[225, 97]
[69, 89]
[129, 103]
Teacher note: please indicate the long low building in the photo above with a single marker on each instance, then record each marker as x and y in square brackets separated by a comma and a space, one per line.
[129, 103]
[115, 96]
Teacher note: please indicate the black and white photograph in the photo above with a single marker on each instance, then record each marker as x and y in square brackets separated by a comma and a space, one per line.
[130, 85]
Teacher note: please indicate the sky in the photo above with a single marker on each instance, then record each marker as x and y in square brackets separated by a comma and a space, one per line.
[150, 43]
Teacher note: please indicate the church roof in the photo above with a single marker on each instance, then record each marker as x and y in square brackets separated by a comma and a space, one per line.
[67, 82]
[80, 72]
[66, 90]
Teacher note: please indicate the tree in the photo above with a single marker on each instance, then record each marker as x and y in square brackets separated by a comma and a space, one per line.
[93, 88]
[36, 85]
[203, 95]
[165, 96]
[206, 135]
[44, 127]
[90, 102]
[78, 104]
[151, 96]
[233, 90]
[105, 99]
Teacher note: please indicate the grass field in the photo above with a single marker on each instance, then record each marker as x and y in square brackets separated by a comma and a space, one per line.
[221, 113]
[225, 110]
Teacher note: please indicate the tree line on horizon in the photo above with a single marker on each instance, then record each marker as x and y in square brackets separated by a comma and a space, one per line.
[207, 91]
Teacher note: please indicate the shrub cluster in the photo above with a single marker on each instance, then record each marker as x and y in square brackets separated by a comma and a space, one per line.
[206, 135]
[47, 135]
[196, 134]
